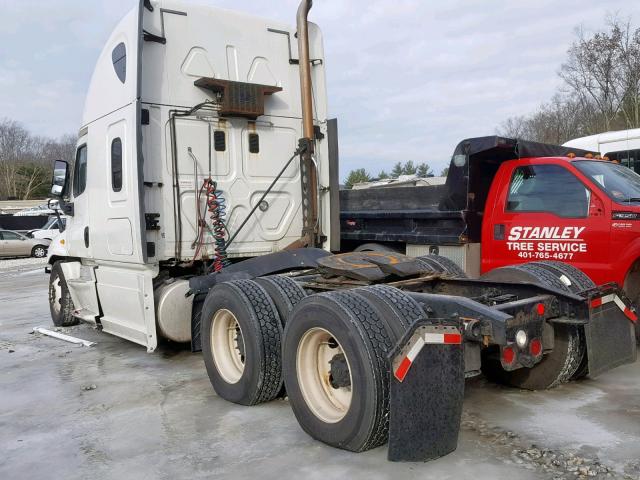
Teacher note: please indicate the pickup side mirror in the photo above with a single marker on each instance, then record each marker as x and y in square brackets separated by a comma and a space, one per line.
[60, 178]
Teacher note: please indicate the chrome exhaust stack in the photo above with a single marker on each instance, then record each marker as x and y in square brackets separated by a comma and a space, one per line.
[309, 175]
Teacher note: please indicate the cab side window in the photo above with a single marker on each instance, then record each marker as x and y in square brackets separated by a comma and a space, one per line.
[116, 165]
[549, 189]
[80, 171]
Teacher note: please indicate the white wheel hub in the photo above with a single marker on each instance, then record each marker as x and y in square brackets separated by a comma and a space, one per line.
[227, 346]
[317, 349]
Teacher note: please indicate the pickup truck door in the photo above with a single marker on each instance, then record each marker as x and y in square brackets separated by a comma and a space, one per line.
[543, 211]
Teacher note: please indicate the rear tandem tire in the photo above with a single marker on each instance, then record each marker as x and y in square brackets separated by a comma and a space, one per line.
[241, 342]
[395, 308]
[344, 327]
[60, 302]
[285, 292]
[567, 360]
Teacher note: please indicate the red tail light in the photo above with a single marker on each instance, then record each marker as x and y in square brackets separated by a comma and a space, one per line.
[508, 355]
[535, 347]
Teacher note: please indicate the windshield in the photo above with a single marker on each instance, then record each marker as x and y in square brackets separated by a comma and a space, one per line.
[52, 221]
[620, 183]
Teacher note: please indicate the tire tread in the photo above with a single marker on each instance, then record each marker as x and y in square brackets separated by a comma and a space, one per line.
[440, 264]
[372, 328]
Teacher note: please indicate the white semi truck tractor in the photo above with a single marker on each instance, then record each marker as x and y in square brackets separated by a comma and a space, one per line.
[203, 207]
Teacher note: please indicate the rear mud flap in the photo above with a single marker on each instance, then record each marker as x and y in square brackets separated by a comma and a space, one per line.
[610, 333]
[427, 389]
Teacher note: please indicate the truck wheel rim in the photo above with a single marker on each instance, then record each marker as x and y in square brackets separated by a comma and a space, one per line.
[227, 346]
[55, 295]
[316, 349]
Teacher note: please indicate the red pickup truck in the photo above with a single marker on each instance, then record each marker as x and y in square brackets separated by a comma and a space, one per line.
[506, 202]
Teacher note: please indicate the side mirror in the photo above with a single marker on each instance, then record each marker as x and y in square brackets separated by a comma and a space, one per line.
[60, 177]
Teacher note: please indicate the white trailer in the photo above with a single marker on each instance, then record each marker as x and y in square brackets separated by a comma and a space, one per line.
[622, 146]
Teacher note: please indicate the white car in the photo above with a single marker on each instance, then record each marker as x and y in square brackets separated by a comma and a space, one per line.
[50, 229]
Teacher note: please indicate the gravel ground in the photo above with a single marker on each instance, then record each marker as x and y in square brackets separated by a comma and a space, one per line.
[21, 264]
[113, 411]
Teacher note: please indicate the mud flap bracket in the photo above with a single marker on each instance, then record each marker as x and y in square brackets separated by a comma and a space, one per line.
[427, 389]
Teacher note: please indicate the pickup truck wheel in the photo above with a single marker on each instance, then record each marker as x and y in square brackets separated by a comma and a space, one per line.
[241, 342]
[39, 251]
[556, 367]
[60, 302]
[578, 282]
[440, 264]
[336, 371]
[567, 358]
[285, 293]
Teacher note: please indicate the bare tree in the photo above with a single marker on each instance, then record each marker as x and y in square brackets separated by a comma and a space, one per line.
[629, 74]
[26, 160]
[33, 178]
[14, 143]
[63, 148]
[515, 127]
[592, 68]
[602, 89]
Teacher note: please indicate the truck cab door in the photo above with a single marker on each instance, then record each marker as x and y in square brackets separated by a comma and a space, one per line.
[78, 231]
[545, 212]
[108, 223]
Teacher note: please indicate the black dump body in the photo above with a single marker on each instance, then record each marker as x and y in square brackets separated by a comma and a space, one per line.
[442, 214]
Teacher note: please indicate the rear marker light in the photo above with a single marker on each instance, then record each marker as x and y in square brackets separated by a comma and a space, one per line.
[535, 348]
[508, 355]
[540, 309]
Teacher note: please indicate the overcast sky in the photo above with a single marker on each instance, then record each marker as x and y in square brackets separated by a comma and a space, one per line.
[407, 79]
